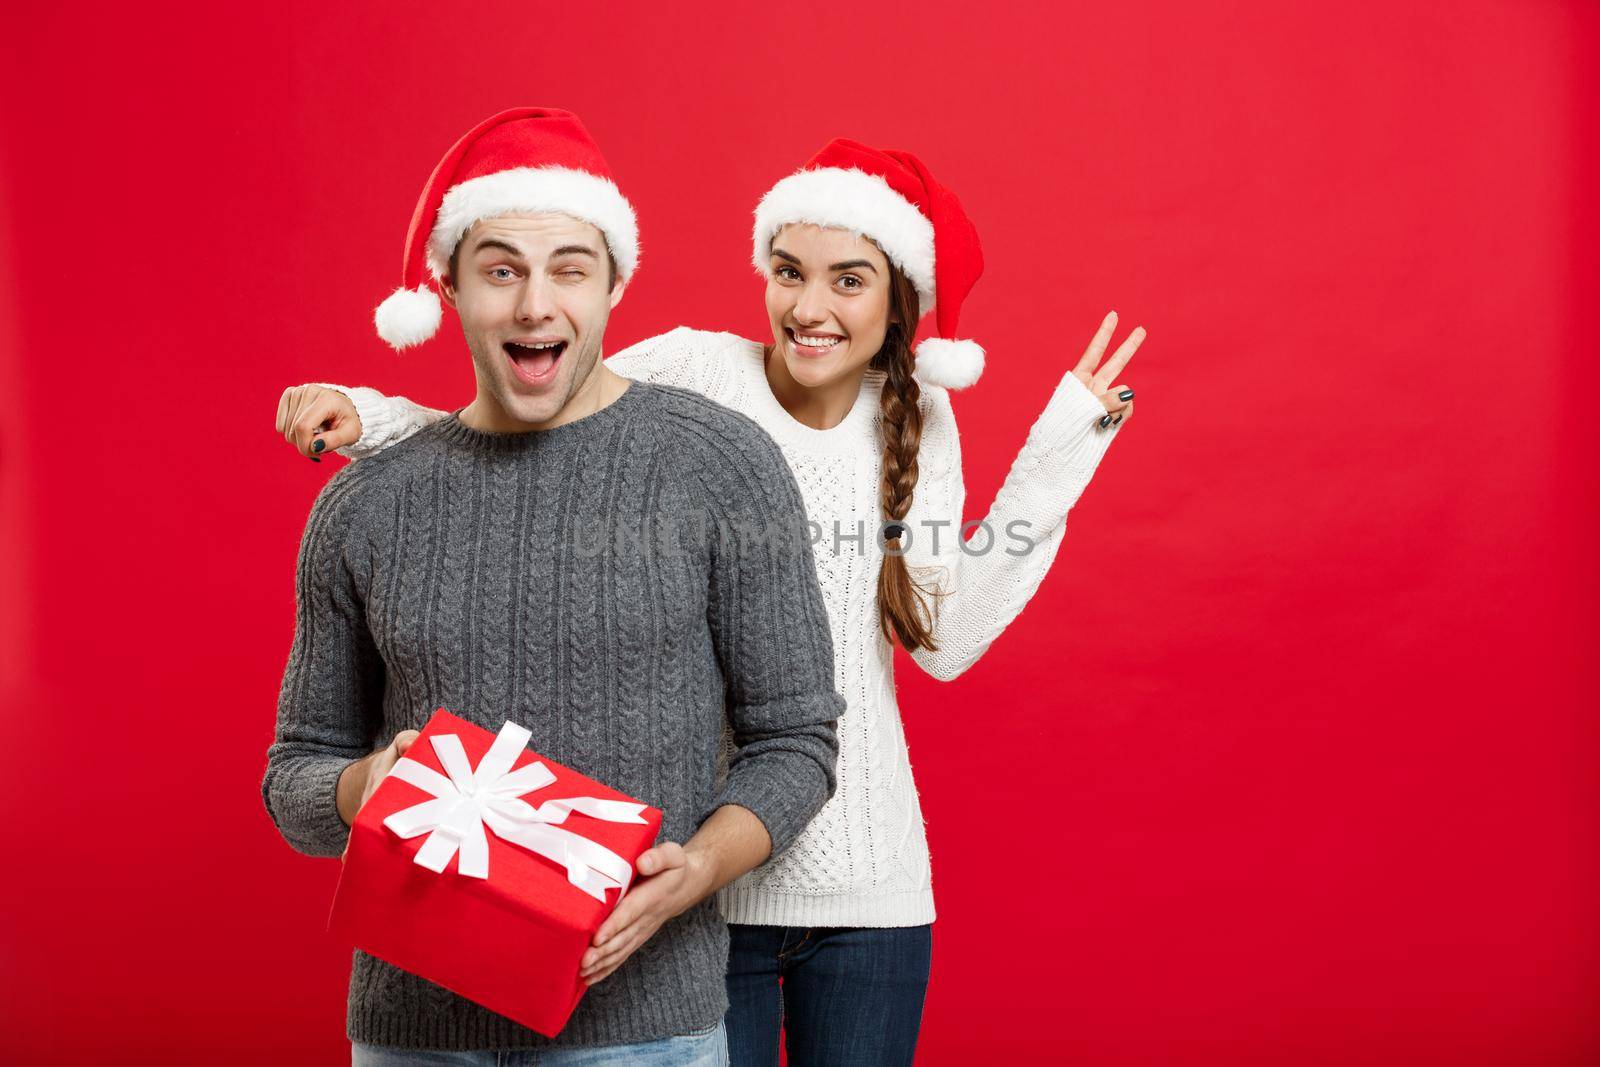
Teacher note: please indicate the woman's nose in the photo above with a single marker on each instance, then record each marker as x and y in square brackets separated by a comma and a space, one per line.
[812, 307]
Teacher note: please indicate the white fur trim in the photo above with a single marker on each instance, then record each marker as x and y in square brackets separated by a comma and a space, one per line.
[408, 317]
[562, 190]
[952, 364]
[850, 199]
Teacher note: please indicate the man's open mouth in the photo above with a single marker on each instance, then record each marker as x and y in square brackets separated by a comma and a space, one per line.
[535, 362]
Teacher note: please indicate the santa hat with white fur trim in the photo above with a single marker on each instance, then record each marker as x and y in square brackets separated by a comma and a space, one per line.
[892, 198]
[526, 159]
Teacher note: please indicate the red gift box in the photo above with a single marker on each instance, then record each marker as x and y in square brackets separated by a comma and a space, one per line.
[486, 869]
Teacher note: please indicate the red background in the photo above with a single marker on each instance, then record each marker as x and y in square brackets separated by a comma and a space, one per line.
[1297, 743]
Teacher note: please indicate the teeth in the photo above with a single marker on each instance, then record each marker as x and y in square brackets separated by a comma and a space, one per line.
[815, 342]
[547, 344]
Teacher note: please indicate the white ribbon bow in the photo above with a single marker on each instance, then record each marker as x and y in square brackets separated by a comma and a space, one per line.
[470, 800]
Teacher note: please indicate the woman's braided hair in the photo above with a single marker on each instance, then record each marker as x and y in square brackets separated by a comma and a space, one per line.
[903, 608]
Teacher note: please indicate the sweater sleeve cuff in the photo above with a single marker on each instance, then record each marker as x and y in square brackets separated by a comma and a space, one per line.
[1074, 412]
[304, 804]
[1067, 441]
[785, 773]
[785, 800]
[380, 419]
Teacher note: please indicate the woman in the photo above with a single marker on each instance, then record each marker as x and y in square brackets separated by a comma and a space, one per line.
[848, 247]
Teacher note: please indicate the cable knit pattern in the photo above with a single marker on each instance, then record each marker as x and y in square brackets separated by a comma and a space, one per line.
[504, 576]
[863, 861]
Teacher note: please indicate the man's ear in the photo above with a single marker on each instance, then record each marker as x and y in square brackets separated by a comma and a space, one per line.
[616, 294]
[447, 292]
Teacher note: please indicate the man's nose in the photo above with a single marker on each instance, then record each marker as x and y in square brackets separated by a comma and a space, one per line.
[536, 304]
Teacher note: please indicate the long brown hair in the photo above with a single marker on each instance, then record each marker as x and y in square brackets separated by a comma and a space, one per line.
[903, 605]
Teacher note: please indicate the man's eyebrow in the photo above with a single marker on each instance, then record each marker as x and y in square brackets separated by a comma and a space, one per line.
[495, 242]
[575, 250]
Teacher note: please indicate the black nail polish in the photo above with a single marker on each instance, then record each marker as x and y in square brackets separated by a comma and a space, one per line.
[319, 444]
[314, 459]
[1126, 394]
[1116, 420]
[1105, 420]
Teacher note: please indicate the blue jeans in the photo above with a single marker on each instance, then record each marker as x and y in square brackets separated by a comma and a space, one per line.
[706, 1049]
[841, 997]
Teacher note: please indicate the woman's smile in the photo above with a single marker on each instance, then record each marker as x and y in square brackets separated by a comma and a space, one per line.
[811, 344]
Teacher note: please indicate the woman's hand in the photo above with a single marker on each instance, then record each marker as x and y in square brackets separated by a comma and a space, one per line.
[315, 419]
[1118, 399]
[674, 881]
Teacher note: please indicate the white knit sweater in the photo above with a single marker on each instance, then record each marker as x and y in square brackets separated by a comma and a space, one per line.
[863, 861]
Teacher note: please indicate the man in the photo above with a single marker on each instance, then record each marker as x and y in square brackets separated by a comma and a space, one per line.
[536, 556]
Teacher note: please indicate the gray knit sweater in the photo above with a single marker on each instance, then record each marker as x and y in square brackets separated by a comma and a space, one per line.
[621, 586]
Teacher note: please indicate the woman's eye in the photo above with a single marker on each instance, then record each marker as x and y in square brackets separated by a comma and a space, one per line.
[788, 274]
[850, 281]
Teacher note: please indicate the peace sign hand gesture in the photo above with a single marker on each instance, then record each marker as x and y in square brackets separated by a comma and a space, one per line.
[1097, 378]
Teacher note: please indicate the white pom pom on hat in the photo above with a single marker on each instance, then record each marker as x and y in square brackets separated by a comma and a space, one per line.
[408, 317]
[951, 364]
[525, 159]
[891, 197]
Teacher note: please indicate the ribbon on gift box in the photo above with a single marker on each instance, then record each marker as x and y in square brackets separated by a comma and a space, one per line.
[470, 802]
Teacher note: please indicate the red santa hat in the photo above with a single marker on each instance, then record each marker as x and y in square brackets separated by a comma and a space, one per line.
[526, 159]
[892, 198]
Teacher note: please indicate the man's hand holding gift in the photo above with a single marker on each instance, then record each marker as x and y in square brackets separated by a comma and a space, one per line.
[674, 878]
[360, 780]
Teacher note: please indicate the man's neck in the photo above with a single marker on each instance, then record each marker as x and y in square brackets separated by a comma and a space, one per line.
[600, 389]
